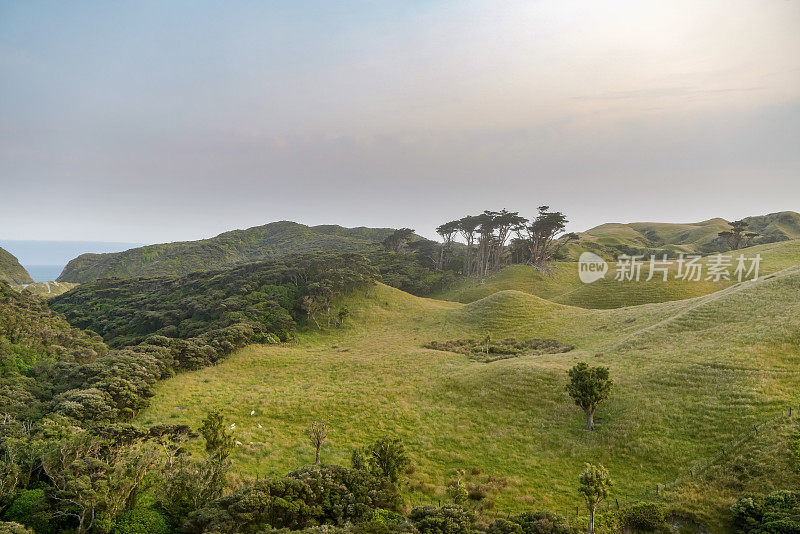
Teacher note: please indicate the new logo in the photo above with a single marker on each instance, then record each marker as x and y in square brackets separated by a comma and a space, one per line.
[591, 267]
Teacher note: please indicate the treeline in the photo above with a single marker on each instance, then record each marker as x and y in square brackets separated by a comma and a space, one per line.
[491, 241]
[211, 311]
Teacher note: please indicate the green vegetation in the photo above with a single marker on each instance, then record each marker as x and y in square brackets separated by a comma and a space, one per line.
[45, 289]
[99, 439]
[594, 487]
[218, 309]
[11, 271]
[612, 239]
[561, 283]
[274, 240]
[513, 418]
[486, 350]
[777, 512]
[588, 387]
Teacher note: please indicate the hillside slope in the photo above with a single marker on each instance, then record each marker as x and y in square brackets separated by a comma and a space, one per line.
[700, 237]
[562, 284]
[229, 248]
[11, 271]
[735, 355]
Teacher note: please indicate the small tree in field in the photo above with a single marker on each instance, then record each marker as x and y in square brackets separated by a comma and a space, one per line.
[318, 434]
[588, 386]
[594, 484]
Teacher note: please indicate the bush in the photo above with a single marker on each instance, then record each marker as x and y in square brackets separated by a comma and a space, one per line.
[30, 509]
[386, 517]
[504, 526]
[645, 516]
[388, 458]
[778, 513]
[542, 522]
[310, 496]
[449, 519]
[14, 528]
[141, 520]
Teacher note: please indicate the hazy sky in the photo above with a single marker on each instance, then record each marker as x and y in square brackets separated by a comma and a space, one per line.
[158, 121]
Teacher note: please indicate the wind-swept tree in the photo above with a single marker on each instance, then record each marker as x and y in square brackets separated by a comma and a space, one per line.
[486, 227]
[593, 486]
[545, 236]
[447, 231]
[395, 240]
[738, 236]
[504, 223]
[467, 227]
[588, 387]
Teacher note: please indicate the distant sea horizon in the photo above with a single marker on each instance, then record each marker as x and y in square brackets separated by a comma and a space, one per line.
[44, 260]
[44, 273]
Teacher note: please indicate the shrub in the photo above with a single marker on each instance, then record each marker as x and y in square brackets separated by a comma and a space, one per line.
[386, 517]
[141, 520]
[457, 492]
[504, 526]
[646, 516]
[388, 458]
[777, 513]
[30, 508]
[306, 497]
[542, 522]
[449, 519]
[14, 528]
[477, 492]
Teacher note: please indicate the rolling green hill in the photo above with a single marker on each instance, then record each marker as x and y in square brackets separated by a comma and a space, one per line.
[692, 375]
[701, 237]
[562, 284]
[11, 271]
[230, 248]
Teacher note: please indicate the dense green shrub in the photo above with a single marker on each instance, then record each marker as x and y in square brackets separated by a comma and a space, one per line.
[316, 495]
[776, 513]
[504, 526]
[141, 520]
[644, 516]
[448, 519]
[31, 509]
[542, 522]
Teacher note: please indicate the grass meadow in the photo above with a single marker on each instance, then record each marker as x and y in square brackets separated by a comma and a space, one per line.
[691, 376]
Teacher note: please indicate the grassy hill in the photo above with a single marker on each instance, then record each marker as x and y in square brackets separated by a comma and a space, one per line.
[11, 271]
[702, 237]
[230, 248]
[45, 289]
[691, 376]
[562, 284]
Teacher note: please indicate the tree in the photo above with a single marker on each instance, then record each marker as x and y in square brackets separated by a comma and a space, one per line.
[738, 236]
[588, 386]
[467, 227]
[447, 230]
[395, 240]
[505, 221]
[545, 236]
[593, 486]
[388, 457]
[318, 434]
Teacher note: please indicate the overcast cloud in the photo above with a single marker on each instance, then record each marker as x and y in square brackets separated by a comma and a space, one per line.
[160, 121]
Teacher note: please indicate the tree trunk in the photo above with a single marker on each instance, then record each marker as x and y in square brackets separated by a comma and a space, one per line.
[590, 419]
[591, 520]
[316, 461]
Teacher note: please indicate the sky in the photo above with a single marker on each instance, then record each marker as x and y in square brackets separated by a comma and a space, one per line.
[160, 121]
